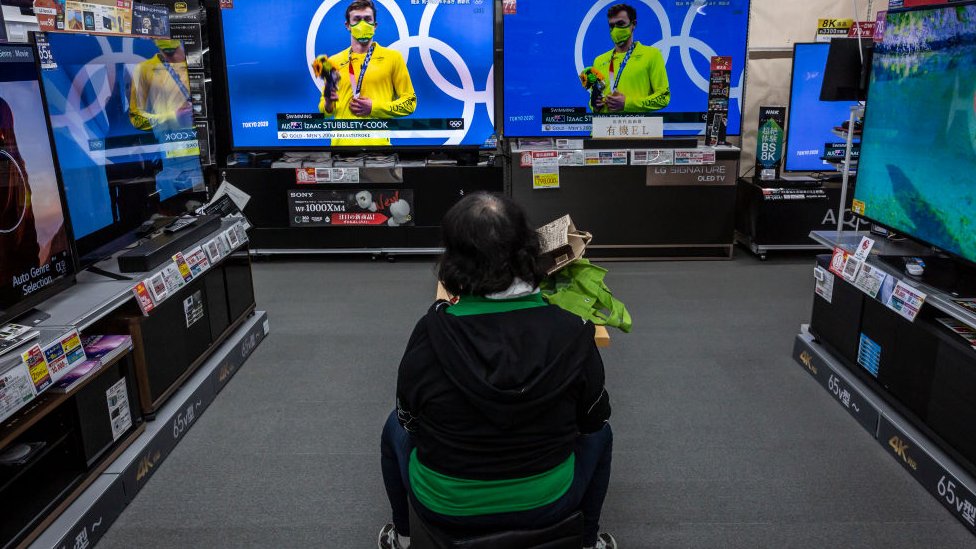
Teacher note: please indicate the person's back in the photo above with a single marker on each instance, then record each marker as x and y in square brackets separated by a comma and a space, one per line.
[501, 410]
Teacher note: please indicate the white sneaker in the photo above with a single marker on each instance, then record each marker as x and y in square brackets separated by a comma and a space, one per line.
[388, 538]
[605, 541]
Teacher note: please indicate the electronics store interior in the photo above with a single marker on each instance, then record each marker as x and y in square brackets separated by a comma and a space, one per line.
[755, 221]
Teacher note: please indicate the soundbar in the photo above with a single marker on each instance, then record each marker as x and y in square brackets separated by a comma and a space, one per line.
[160, 249]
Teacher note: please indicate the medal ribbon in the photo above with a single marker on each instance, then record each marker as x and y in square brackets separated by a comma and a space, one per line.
[623, 64]
[176, 78]
[357, 86]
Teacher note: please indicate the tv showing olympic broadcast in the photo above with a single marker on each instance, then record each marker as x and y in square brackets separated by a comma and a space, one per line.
[565, 61]
[918, 153]
[123, 129]
[360, 73]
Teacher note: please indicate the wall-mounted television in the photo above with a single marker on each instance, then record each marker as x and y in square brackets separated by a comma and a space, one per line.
[548, 45]
[35, 238]
[917, 172]
[429, 81]
[811, 121]
[123, 126]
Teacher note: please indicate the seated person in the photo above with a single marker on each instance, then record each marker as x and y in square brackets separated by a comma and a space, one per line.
[501, 415]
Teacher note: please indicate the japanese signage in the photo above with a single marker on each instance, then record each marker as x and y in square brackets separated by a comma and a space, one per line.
[545, 169]
[719, 86]
[837, 384]
[941, 483]
[628, 127]
[769, 150]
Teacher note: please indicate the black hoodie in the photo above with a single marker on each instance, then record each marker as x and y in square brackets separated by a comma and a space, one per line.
[501, 395]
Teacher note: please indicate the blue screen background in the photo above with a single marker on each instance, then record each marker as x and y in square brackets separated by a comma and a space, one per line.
[811, 120]
[541, 67]
[88, 100]
[268, 69]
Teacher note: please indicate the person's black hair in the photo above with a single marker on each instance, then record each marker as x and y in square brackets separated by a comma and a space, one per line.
[488, 242]
[361, 5]
[617, 8]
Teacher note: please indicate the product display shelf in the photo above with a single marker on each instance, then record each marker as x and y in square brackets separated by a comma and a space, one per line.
[87, 519]
[95, 296]
[776, 216]
[637, 212]
[35, 410]
[429, 191]
[935, 297]
[920, 456]
[66, 464]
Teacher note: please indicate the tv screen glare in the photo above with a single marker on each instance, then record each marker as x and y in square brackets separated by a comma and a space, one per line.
[35, 243]
[811, 121]
[123, 127]
[293, 74]
[918, 152]
[551, 46]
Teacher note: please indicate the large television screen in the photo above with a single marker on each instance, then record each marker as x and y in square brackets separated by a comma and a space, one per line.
[123, 126]
[429, 80]
[548, 45]
[917, 172]
[812, 121]
[35, 243]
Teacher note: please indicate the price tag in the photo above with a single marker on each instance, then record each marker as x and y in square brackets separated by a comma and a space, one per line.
[545, 170]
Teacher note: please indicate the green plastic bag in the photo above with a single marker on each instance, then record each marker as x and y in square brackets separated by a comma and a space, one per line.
[579, 288]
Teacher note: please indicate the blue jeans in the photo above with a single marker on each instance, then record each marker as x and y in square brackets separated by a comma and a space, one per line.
[590, 482]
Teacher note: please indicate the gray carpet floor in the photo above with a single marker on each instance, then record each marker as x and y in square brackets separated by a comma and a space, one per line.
[721, 440]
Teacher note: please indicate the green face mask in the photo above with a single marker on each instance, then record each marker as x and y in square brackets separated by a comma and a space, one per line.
[363, 32]
[619, 35]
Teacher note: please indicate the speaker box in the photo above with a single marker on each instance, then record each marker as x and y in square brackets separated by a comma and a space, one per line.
[240, 284]
[172, 338]
[93, 408]
[837, 324]
[907, 355]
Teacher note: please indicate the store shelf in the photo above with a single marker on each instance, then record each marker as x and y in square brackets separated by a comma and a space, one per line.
[922, 458]
[127, 472]
[936, 297]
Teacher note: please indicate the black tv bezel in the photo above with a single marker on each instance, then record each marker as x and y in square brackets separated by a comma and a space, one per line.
[349, 149]
[108, 242]
[68, 280]
[500, 98]
[935, 248]
[789, 112]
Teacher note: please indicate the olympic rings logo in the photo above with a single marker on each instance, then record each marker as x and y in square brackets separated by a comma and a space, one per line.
[467, 93]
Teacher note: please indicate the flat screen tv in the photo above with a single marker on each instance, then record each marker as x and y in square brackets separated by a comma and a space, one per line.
[35, 238]
[811, 121]
[123, 126]
[917, 172]
[429, 81]
[548, 45]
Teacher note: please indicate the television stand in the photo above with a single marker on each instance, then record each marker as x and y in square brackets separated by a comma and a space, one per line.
[107, 274]
[946, 273]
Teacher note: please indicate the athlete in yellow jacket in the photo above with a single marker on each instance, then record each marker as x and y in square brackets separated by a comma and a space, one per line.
[159, 98]
[639, 86]
[386, 91]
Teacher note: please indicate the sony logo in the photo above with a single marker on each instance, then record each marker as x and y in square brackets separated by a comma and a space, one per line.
[301, 195]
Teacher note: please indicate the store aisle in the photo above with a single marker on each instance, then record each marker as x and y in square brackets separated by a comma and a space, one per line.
[721, 440]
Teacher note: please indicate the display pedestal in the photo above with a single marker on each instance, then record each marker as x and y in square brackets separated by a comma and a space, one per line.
[435, 190]
[778, 215]
[908, 382]
[640, 212]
